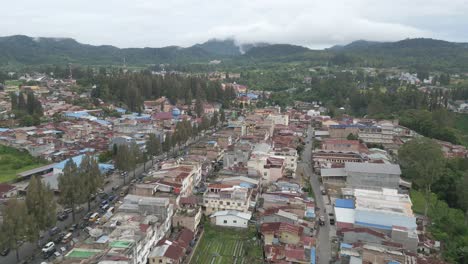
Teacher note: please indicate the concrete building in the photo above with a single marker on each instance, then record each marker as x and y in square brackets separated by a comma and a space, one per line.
[380, 134]
[231, 218]
[364, 175]
[220, 197]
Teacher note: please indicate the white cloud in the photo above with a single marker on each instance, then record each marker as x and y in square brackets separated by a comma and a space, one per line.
[310, 23]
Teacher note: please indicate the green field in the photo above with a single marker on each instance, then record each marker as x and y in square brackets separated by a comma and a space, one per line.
[13, 161]
[13, 83]
[227, 246]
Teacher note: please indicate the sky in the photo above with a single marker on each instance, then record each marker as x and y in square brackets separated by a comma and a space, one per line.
[310, 23]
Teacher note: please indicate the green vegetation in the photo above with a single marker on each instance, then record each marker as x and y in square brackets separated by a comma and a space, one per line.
[13, 83]
[447, 226]
[13, 161]
[440, 193]
[23, 219]
[27, 109]
[78, 184]
[228, 245]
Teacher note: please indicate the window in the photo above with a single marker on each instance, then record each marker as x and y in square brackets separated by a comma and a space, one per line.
[225, 221]
[228, 203]
[234, 221]
[220, 202]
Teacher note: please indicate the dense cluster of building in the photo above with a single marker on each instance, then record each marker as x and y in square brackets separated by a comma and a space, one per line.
[369, 202]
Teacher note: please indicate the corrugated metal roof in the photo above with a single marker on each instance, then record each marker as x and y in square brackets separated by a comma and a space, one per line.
[344, 215]
[333, 172]
[383, 220]
[372, 168]
[243, 215]
[344, 203]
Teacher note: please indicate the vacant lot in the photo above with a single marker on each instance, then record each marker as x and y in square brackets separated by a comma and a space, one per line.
[13, 161]
[224, 245]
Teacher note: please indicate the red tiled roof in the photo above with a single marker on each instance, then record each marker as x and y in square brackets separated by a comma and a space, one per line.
[219, 186]
[185, 236]
[294, 254]
[162, 116]
[5, 188]
[188, 200]
[281, 227]
[174, 252]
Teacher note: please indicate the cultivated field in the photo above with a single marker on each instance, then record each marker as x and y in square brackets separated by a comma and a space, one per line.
[223, 246]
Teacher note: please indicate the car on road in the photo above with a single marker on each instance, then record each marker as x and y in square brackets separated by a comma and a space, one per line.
[5, 251]
[67, 238]
[73, 228]
[59, 237]
[48, 247]
[67, 210]
[321, 220]
[54, 230]
[62, 216]
[331, 217]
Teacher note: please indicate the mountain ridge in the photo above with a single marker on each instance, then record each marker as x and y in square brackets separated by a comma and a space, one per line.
[24, 50]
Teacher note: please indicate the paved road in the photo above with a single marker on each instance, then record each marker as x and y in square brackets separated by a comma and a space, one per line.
[323, 243]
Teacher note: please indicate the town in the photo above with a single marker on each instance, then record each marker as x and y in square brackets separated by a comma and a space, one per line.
[217, 176]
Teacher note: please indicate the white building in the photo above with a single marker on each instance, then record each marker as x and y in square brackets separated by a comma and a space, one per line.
[231, 218]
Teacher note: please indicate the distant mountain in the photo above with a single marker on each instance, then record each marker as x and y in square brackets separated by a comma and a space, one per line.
[26, 50]
[358, 44]
[227, 47]
[275, 50]
[437, 54]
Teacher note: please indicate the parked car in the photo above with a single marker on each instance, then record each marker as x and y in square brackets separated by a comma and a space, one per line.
[321, 220]
[5, 251]
[67, 238]
[59, 237]
[68, 210]
[73, 228]
[53, 231]
[48, 247]
[62, 216]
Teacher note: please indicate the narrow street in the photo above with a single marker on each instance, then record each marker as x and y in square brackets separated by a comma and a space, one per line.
[323, 237]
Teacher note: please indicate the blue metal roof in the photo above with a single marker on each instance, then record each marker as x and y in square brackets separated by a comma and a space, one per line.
[345, 126]
[78, 114]
[102, 122]
[344, 203]
[4, 129]
[120, 110]
[312, 255]
[77, 160]
[246, 185]
[384, 220]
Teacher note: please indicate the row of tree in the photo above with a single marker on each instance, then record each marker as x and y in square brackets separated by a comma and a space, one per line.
[26, 108]
[133, 88]
[25, 219]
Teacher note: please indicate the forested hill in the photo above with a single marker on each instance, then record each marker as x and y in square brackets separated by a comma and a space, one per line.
[430, 53]
[27, 50]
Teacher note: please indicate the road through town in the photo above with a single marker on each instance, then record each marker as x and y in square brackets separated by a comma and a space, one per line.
[323, 236]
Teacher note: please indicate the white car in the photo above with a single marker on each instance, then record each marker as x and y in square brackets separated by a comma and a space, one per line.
[48, 247]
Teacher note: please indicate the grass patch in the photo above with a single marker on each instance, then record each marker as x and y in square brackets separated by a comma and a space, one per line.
[228, 245]
[13, 161]
[13, 83]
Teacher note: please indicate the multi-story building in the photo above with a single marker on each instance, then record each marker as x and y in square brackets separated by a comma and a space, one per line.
[220, 197]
